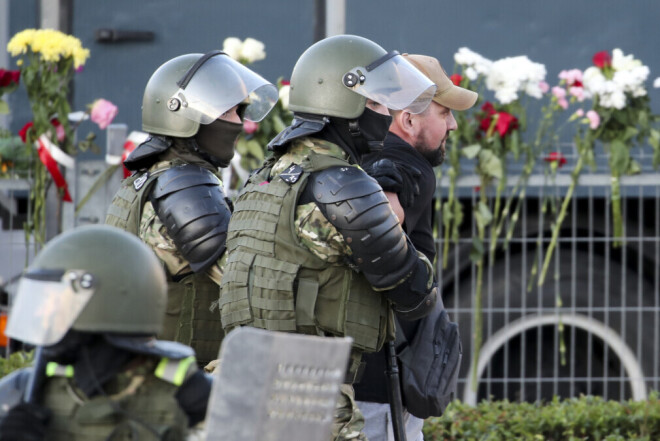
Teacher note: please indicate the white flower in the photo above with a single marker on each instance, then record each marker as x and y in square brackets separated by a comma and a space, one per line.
[623, 62]
[656, 82]
[474, 63]
[511, 75]
[284, 96]
[593, 80]
[232, 47]
[252, 50]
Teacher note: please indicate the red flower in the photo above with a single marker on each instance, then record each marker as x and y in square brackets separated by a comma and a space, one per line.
[506, 123]
[456, 79]
[577, 83]
[602, 59]
[555, 157]
[23, 132]
[285, 83]
[9, 77]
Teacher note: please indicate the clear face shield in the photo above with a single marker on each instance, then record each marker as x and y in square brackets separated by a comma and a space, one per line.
[47, 304]
[392, 81]
[215, 84]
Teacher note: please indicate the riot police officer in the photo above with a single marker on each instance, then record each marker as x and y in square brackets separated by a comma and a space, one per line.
[314, 246]
[193, 108]
[92, 301]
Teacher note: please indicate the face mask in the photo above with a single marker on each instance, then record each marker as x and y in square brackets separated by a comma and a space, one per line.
[217, 140]
[373, 128]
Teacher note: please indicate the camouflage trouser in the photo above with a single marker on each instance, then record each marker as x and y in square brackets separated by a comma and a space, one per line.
[348, 420]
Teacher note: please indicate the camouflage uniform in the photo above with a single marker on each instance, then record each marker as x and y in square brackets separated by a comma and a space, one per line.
[191, 316]
[269, 303]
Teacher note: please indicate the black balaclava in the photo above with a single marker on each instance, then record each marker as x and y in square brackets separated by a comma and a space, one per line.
[358, 136]
[216, 141]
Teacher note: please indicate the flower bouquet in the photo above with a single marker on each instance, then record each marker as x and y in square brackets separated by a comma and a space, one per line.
[620, 118]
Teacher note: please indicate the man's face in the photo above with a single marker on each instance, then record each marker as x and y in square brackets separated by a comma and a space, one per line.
[434, 125]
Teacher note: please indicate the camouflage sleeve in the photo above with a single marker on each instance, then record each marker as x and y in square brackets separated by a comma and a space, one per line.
[318, 235]
[154, 233]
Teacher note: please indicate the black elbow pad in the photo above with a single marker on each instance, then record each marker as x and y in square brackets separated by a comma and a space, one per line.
[191, 204]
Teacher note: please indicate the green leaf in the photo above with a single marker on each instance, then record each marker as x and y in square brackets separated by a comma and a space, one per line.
[634, 168]
[483, 215]
[255, 149]
[477, 250]
[471, 151]
[490, 164]
[619, 157]
[241, 146]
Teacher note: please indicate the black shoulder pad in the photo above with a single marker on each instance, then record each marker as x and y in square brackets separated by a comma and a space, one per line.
[191, 204]
[144, 155]
[356, 206]
[336, 184]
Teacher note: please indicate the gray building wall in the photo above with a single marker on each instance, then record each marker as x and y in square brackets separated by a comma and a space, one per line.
[561, 34]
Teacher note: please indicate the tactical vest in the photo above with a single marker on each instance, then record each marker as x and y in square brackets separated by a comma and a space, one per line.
[188, 318]
[273, 282]
[139, 404]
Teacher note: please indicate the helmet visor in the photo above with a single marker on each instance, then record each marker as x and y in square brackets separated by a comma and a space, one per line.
[219, 84]
[393, 82]
[48, 302]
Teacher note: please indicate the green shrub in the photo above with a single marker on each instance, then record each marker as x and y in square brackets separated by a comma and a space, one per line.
[585, 419]
[17, 360]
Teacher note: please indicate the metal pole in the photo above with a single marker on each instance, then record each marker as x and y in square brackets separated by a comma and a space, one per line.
[335, 17]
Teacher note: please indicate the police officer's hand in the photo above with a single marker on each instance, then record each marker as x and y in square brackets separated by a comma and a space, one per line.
[397, 178]
[25, 422]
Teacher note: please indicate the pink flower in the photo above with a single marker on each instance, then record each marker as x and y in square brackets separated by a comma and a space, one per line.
[544, 87]
[250, 126]
[560, 94]
[103, 112]
[60, 134]
[572, 77]
[579, 113]
[577, 92]
[594, 119]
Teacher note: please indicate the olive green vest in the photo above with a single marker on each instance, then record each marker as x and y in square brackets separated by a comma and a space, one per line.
[145, 394]
[272, 282]
[188, 318]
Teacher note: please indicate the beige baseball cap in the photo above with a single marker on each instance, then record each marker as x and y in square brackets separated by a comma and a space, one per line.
[447, 94]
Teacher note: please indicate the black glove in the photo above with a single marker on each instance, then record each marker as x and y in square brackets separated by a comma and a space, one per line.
[397, 178]
[25, 422]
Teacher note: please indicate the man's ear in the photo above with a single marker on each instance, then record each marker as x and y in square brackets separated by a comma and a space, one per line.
[405, 122]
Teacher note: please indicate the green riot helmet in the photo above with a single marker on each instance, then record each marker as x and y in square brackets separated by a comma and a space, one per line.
[335, 76]
[195, 89]
[94, 279]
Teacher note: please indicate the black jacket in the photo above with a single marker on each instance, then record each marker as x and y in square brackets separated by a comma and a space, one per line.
[415, 186]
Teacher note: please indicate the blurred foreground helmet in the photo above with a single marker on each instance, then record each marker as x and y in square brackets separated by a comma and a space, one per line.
[195, 89]
[95, 279]
[335, 76]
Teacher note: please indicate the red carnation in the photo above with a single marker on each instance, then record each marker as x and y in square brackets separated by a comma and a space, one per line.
[285, 82]
[602, 59]
[555, 157]
[456, 79]
[9, 77]
[506, 123]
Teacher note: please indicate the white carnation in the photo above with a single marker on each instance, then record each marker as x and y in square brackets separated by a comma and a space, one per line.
[511, 75]
[623, 62]
[232, 47]
[472, 61]
[252, 50]
[284, 96]
[656, 82]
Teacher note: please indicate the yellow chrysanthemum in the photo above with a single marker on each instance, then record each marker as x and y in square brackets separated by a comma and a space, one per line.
[50, 44]
[20, 42]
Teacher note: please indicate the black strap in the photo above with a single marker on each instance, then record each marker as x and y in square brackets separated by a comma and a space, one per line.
[183, 82]
[381, 60]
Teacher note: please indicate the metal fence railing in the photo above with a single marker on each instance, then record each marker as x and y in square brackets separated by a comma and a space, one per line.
[606, 298]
